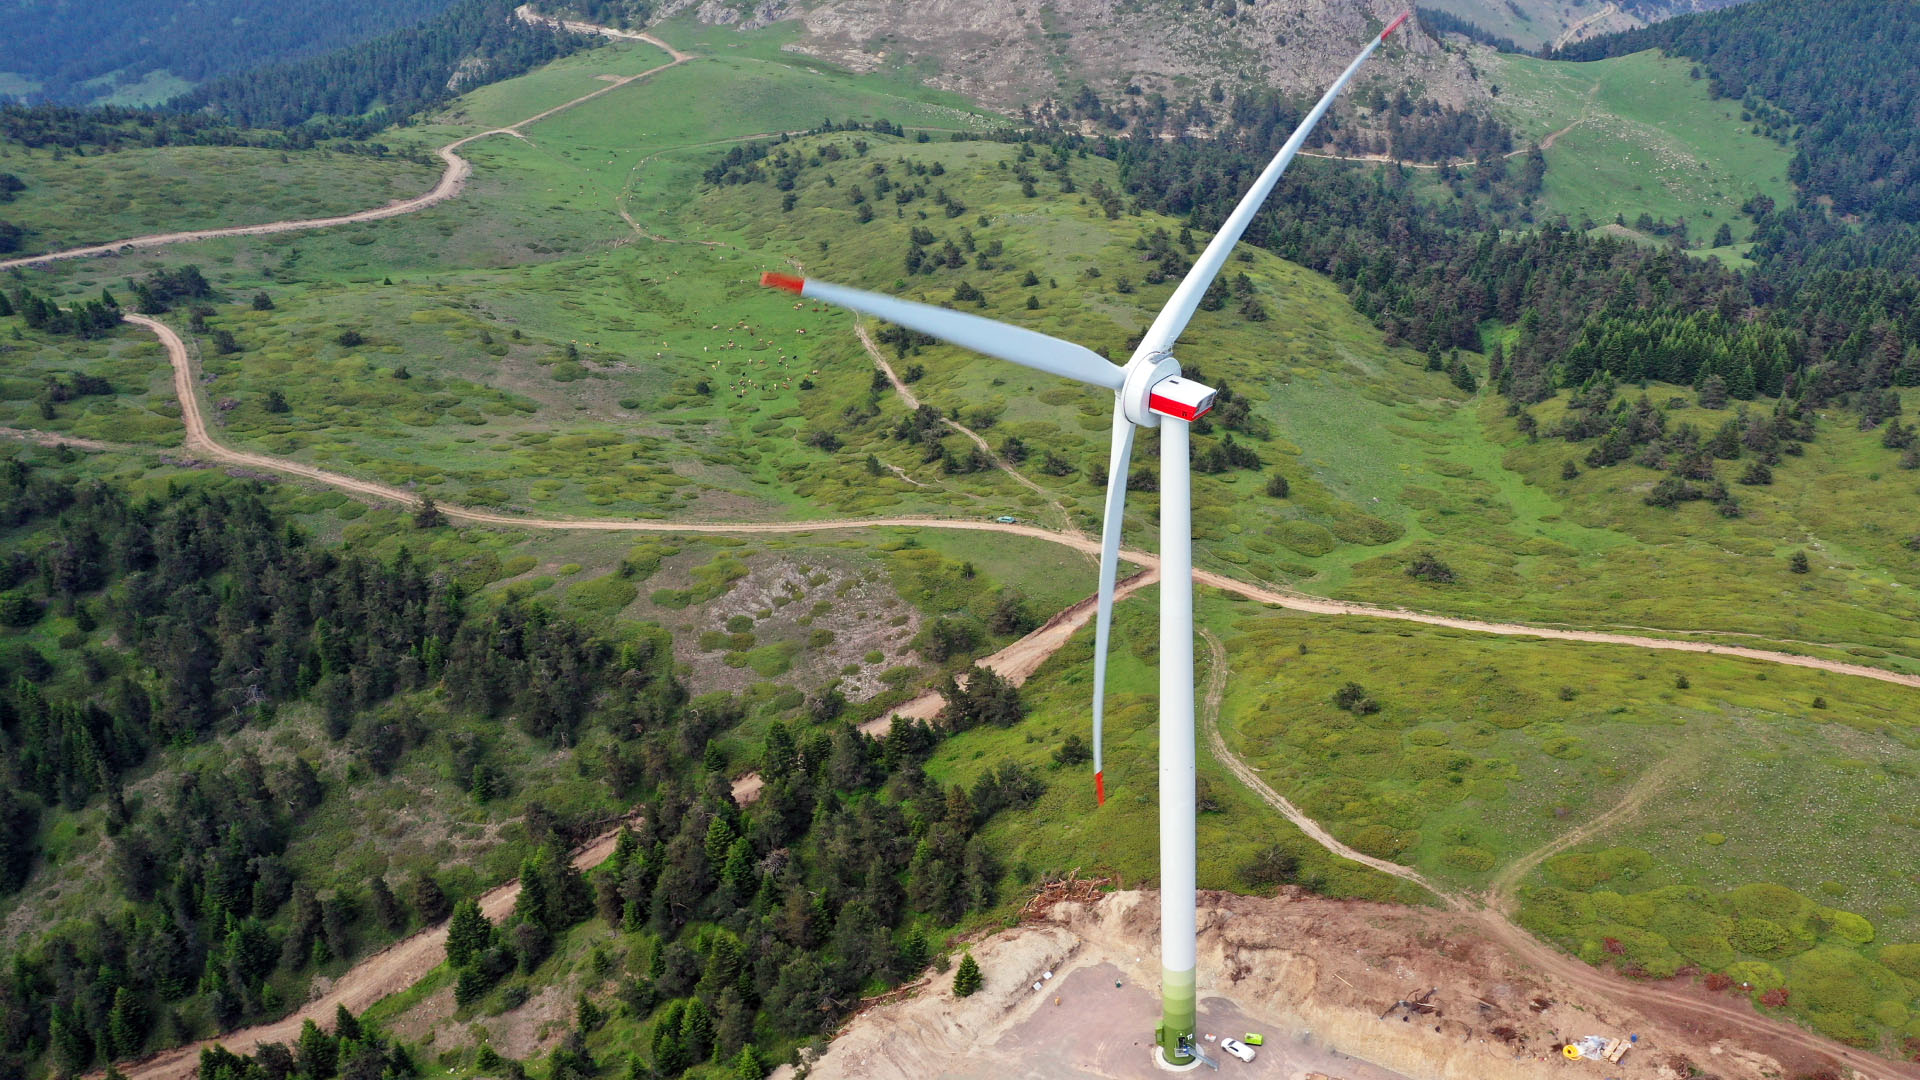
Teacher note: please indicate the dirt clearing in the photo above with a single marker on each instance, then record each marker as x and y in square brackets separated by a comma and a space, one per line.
[1318, 978]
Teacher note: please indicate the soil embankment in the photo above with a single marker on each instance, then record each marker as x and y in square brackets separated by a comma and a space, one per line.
[1318, 978]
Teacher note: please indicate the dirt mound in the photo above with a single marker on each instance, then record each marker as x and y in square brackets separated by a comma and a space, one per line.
[1319, 978]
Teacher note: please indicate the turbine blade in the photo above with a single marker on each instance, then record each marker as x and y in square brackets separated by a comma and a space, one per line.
[1110, 525]
[1020, 345]
[1173, 318]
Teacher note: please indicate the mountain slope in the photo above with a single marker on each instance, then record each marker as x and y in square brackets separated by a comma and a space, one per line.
[1008, 54]
[113, 50]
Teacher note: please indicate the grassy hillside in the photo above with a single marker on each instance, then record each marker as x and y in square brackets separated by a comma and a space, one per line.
[1638, 134]
[76, 201]
[1739, 791]
[577, 375]
[529, 347]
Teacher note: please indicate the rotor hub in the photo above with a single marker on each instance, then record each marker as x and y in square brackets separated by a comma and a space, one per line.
[1155, 388]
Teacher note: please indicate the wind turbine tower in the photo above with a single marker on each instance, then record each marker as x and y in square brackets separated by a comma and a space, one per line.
[1148, 392]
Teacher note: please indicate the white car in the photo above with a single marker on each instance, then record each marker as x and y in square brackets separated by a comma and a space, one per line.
[1237, 1049]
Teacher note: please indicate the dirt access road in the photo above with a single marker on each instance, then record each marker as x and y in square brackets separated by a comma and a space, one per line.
[452, 179]
[1492, 913]
[200, 442]
[387, 972]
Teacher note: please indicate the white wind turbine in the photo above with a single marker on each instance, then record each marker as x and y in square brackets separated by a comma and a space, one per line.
[1148, 392]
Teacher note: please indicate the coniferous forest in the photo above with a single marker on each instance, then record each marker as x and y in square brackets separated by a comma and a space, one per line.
[471, 43]
[764, 923]
[82, 52]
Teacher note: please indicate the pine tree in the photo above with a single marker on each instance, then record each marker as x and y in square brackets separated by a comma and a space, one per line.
[720, 837]
[967, 979]
[912, 958]
[428, 899]
[346, 1026]
[696, 1030]
[468, 935]
[123, 1035]
[386, 906]
[317, 1052]
[749, 1065]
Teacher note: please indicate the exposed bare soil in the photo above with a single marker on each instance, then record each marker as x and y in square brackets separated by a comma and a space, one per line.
[1009, 53]
[386, 972]
[1314, 976]
[790, 600]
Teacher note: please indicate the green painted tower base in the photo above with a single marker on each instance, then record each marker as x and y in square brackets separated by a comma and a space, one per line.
[1178, 1018]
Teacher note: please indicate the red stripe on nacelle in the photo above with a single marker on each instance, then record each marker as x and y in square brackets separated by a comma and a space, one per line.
[783, 281]
[1394, 25]
[1167, 406]
[1100, 789]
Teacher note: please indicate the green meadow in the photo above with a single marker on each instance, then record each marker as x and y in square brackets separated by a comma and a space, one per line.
[1638, 134]
[74, 200]
[526, 347]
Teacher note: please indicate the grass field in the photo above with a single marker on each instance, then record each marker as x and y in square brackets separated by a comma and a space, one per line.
[1529, 24]
[1747, 783]
[1648, 139]
[77, 201]
[141, 408]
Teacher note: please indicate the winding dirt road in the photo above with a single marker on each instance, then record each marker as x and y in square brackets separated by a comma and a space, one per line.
[1578, 30]
[1491, 913]
[406, 961]
[200, 442]
[452, 179]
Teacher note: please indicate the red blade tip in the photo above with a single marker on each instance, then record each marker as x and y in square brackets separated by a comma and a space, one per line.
[1099, 789]
[1394, 25]
[783, 281]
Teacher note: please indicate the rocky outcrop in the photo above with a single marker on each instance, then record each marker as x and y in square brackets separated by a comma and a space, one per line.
[1013, 53]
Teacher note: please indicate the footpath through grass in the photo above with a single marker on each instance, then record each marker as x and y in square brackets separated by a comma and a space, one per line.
[1647, 138]
[1772, 843]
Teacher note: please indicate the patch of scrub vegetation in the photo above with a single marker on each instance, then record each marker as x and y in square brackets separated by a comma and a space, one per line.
[117, 387]
[75, 200]
[1782, 949]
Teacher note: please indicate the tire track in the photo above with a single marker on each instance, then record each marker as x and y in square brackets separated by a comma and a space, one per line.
[1491, 916]
[913, 402]
[1210, 717]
